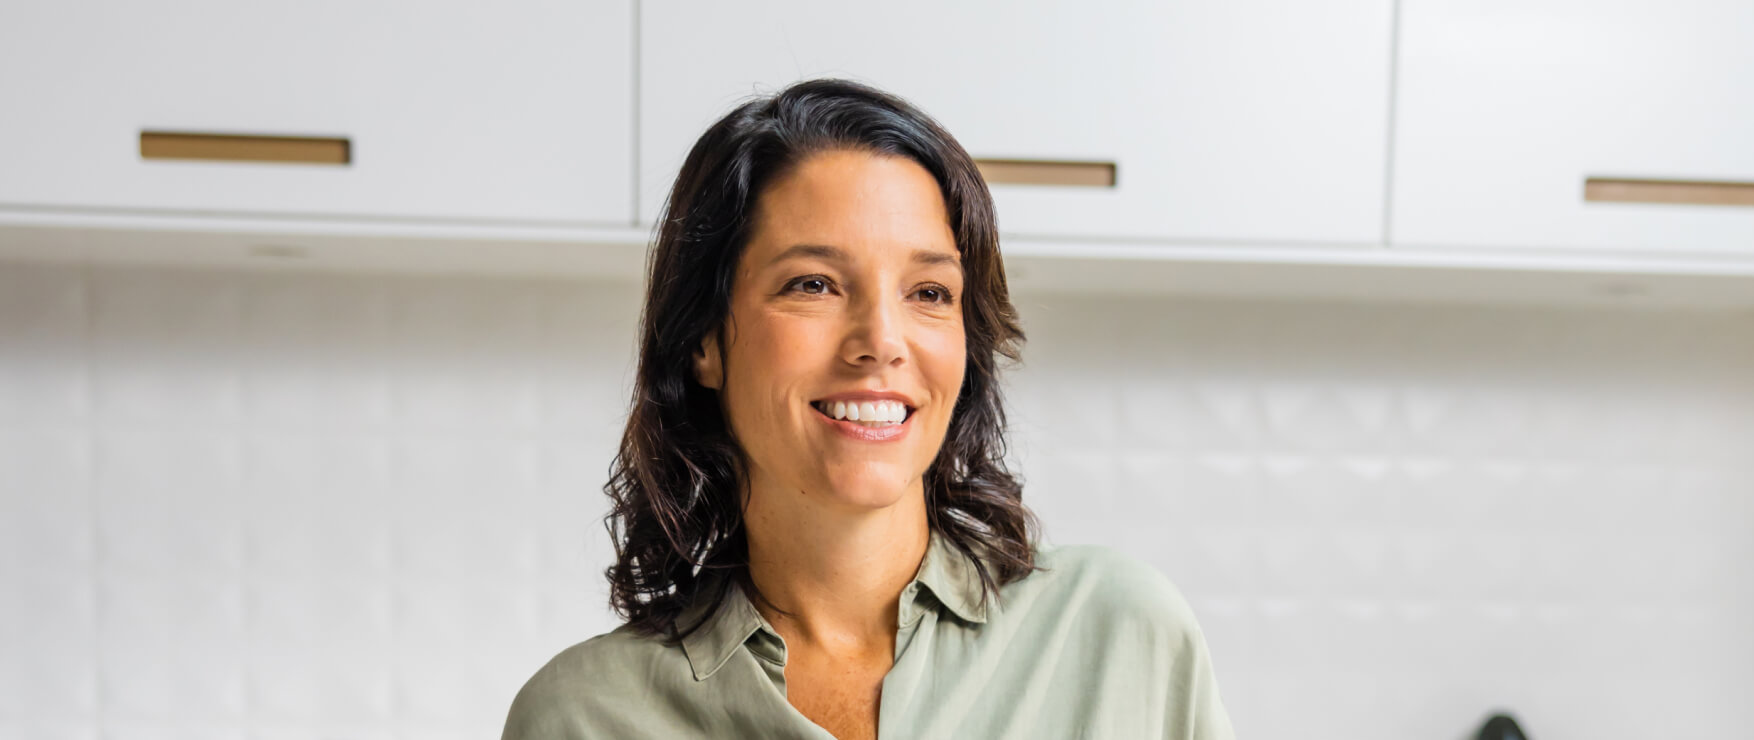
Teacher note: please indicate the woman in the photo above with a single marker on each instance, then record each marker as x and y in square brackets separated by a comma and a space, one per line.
[815, 530]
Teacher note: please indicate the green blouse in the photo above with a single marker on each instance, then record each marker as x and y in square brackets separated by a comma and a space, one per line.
[1100, 645]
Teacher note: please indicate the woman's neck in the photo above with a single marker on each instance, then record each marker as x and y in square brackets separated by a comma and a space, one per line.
[839, 571]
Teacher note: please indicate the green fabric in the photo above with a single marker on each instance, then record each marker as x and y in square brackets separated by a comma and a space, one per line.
[1100, 646]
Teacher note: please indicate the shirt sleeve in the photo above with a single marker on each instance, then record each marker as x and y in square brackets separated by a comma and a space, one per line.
[1195, 687]
[545, 710]
[1180, 665]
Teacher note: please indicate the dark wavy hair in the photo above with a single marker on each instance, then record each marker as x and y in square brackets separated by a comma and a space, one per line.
[676, 482]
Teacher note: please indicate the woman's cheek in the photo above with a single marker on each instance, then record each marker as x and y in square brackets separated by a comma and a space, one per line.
[945, 359]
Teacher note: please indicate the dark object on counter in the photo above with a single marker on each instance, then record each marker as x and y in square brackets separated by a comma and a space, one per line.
[1501, 727]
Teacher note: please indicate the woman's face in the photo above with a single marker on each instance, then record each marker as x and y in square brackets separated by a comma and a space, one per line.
[847, 301]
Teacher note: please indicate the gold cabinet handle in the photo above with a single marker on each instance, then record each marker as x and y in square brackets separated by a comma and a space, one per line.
[1047, 172]
[1696, 192]
[241, 148]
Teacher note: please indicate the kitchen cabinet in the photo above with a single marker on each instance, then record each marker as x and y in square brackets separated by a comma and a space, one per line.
[1370, 149]
[1506, 109]
[1252, 120]
[468, 112]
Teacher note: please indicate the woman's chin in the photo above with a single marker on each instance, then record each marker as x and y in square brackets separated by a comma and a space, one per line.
[875, 489]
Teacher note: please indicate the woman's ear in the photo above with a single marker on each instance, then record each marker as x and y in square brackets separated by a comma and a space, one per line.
[707, 368]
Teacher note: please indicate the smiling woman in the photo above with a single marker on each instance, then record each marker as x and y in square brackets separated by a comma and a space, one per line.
[846, 294]
[815, 530]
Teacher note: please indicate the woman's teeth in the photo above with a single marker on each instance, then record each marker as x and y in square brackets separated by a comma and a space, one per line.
[869, 413]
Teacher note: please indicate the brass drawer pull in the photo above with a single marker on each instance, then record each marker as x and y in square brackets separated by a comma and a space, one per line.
[1697, 192]
[238, 148]
[1047, 172]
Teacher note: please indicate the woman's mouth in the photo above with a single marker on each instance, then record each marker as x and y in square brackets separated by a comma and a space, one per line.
[865, 413]
[866, 421]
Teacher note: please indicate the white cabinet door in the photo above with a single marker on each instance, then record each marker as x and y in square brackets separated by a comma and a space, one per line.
[516, 110]
[1225, 119]
[1507, 107]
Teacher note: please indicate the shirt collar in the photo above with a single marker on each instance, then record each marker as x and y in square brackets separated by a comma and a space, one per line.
[951, 576]
[946, 572]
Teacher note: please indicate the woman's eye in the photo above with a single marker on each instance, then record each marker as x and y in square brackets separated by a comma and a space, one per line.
[811, 285]
[935, 294]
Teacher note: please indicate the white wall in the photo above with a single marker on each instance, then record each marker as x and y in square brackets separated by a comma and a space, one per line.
[272, 505]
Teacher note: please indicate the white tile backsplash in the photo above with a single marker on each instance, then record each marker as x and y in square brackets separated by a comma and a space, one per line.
[277, 505]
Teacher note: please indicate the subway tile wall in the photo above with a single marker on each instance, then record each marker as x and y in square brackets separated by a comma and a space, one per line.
[274, 505]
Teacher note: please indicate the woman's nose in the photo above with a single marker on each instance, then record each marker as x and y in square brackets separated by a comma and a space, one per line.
[875, 335]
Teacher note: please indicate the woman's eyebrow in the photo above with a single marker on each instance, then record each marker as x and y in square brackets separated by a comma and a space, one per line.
[836, 254]
[822, 251]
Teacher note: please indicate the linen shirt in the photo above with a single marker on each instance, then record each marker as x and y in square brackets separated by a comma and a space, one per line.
[1100, 645]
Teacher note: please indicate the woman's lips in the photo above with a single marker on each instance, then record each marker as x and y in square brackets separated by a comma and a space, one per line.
[863, 433]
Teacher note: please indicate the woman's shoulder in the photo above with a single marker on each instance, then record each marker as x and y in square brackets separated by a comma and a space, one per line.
[1121, 585]
[1139, 624]
[585, 687]
[594, 663]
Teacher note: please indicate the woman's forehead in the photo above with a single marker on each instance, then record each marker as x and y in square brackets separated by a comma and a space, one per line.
[859, 204]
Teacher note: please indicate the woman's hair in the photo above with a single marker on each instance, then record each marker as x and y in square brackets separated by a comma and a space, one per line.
[676, 482]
